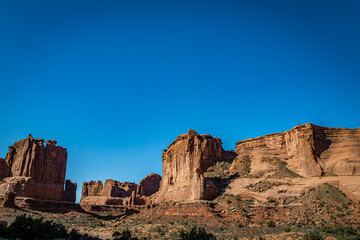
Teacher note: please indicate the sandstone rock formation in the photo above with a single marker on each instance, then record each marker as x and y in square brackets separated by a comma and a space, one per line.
[112, 192]
[9, 199]
[69, 195]
[31, 169]
[296, 161]
[111, 188]
[308, 150]
[118, 193]
[184, 163]
[149, 185]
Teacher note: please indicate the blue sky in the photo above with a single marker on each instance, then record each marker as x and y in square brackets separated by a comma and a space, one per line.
[116, 81]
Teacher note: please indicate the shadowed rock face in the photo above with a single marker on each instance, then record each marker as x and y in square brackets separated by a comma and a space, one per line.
[30, 158]
[9, 199]
[184, 164]
[149, 185]
[31, 169]
[308, 150]
[69, 194]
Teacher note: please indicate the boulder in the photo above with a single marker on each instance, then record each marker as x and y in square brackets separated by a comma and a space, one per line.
[9, 199]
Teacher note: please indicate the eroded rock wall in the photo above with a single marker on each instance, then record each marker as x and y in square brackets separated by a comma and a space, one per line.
[112, 192]
[69, 194]
[31, 169]
[309, 151]
[184, 163]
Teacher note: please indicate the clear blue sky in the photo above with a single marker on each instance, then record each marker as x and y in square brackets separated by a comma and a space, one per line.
[116, 81]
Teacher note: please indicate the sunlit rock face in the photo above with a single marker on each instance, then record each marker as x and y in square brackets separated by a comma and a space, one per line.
[32, 169]
[308, 150]
[184, 163]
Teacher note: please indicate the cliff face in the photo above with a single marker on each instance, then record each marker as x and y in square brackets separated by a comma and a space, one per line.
[184, 164]
[35, 170]
[149, 185]
[30, 158]
[308, 150]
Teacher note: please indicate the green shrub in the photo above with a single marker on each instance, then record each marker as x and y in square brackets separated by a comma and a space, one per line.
[313, 234]
[271, 224]
[25, 228]
[196, 234]
[288, 229]
[342, 232]
[124, 235]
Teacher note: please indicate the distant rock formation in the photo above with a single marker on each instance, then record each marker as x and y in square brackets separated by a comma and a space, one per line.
[111, 188]
[184, 163]
[31, 169]
[308, 150]
[112, 192]
[117, 193]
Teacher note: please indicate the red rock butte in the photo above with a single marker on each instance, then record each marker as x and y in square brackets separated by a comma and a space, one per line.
[31, 169]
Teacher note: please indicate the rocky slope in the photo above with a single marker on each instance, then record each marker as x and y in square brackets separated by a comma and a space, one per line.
[31, 169]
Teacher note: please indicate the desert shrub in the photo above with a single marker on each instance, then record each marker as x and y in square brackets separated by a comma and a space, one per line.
[271, 224]
[31, 228]
[124, 235]
[25, 228]
[75, 235]
[342, 232]
[196, 234]
[160, 231]
[288, 229]
[313, 234]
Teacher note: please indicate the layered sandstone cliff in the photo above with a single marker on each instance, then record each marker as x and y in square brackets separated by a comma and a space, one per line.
[31, 169]
[184, 163]
[308, 150]
[282, 166]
